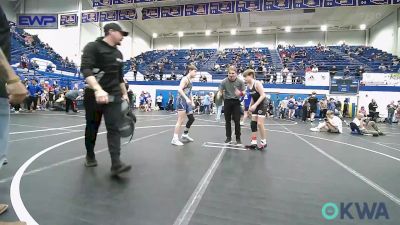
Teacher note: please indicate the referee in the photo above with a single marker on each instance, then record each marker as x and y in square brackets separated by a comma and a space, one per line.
[232, 89]
[102, 67]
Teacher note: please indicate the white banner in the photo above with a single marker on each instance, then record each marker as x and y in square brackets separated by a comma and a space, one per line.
[317, 79]
[381, 79]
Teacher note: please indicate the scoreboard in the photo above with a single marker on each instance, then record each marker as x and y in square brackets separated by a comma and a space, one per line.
[344, 86]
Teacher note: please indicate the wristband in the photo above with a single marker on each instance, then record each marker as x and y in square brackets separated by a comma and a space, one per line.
[241, 93]
[13, 81]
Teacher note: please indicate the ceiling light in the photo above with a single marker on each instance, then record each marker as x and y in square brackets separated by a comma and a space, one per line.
[363, 27]
[208, 32]
[259, 30]
[324, 27]
[180, 34]
[233, 32]
[155, 35]
[288, 29]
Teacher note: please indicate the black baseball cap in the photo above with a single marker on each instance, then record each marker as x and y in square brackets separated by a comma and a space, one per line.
[115, 27]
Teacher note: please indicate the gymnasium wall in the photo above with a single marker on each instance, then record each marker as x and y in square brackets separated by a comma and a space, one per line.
[383, 35]
[8, 8]
[355, 37]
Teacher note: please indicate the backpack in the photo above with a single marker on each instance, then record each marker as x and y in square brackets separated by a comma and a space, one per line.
[128, 120]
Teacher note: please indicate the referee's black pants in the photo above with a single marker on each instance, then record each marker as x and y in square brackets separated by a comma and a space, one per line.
[232, 111]
[112, 115]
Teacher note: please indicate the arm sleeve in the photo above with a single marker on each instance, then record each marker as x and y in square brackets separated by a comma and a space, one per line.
[88, 59]
[222, 86]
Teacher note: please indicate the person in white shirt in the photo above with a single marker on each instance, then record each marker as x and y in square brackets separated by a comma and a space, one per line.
[332, 124]
[159, 101]
[362, 125]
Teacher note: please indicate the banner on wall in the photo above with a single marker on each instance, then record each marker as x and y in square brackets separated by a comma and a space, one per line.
[381, 79]
[108, 16]
[277, 5]
[90, 17]
[127, 14]
[150, 13]
[172, 11]
[37, 21]
[338, 3]
[120, 2]
[307, 4]
[317, 79]
[102, 3]
[223, 7]
[374, 2]
[249, 6]
[69, 19]
[197, 9]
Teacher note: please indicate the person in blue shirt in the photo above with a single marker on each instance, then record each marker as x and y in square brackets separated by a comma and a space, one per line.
[34, 91]
[206, 103]
[246, 101]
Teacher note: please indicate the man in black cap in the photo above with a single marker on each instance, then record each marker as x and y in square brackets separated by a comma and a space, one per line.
[102, 66]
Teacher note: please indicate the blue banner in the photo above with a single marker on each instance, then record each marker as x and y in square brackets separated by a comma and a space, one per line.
[337, 3]
[141, 1]
[127, 14]
[150, 13]
[69, 20]
[172, 11]
[307, 4]
[108, 16]
[37, 21]
[374, 2]
[119, 2]
[90, 17]
[248, 6]
[101, 3]
[197, 9]
[222, 7]
[277, 5]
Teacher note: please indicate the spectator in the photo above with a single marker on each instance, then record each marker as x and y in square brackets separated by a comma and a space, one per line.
[159, 101]
[292, 107]
[170, 106]
[361, 125]
[346, 107]
[34, 91]
[219, 100]
[363, 111]
[332, 124]
[294, 75]
[382, 67]
[313, 100]
[132, 99]
[360, 72]
[346, 71]
[285, 72]
[391, 108]
[314, 69]
[372, 109]
[70, 99]
[332, 71]
[206, 103]
[323, 108]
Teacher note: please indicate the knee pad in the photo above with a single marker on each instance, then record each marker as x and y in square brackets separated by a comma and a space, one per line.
[253, 126]
[190, 121]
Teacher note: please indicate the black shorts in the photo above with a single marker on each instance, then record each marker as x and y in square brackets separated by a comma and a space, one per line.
[313, 109]
[261, 110]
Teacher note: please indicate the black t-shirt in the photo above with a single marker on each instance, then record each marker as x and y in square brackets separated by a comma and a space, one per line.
[313, 101]
[5, 43]
[105, 63]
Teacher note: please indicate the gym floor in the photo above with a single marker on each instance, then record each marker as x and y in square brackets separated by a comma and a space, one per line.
[202, 183]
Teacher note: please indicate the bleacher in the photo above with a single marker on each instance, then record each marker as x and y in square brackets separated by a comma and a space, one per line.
[371, 57]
